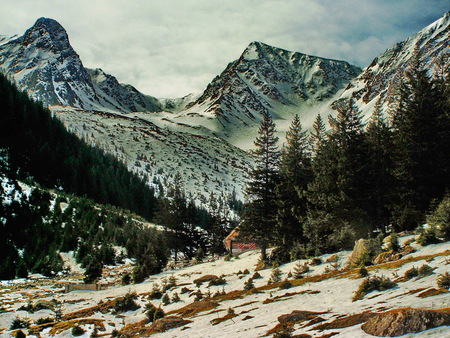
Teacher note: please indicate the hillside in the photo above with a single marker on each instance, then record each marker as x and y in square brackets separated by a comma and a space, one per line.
[317, 305]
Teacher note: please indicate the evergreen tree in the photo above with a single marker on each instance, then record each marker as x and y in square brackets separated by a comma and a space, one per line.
[317, 135]
[420, 136]
[295, 173]
[172, 213]
[380, 164]
[259, 219]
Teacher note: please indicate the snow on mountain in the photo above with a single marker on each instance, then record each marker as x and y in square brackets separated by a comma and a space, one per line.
[381, 79]
[265, 79]
[207, 164]
[43, 63]
[201, 132]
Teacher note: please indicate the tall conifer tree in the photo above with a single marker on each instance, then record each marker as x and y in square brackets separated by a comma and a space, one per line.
[295, 173]
[259, 219]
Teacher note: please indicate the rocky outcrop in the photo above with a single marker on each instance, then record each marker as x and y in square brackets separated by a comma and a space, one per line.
[402, 321]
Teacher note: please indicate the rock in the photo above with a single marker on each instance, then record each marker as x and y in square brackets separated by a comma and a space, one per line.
[402, 321]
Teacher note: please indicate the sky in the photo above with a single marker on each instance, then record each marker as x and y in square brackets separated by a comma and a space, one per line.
[170, 48]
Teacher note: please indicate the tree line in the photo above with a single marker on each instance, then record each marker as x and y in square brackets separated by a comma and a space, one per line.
[326, 188]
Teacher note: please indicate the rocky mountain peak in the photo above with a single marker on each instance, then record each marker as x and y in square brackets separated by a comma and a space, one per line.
[47, 34]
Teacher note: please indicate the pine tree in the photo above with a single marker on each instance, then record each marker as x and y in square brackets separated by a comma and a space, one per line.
[380, 164]
[295, 174]
[317, 135]
[259, 219]
[420, 138]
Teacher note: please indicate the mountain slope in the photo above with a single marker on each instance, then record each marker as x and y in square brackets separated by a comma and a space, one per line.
[266, 79]
[381, 79]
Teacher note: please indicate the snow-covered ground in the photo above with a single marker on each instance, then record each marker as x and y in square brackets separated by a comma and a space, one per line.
[255, 313]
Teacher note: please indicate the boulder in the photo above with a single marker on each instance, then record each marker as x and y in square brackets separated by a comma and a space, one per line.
[399, 322]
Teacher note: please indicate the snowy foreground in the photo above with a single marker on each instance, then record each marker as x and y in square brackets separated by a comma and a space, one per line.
[327, 300]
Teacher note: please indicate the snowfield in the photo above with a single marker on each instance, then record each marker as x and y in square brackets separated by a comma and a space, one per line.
[322, 299]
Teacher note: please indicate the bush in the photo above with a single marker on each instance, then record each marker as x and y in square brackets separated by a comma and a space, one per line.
[443, 281]
[44, 320]
[413, 272]
[363, 272]
[256, 275]
[440, 218]
[300, 269]
[93, 272]
[139, 274]
[165, 300]
[217, 281]
[285, 284]
[19, 323]
[20, 334]
[175, 298]
[275, 277]
[152, 312]
[425, 270]
[125, 303]
[77, 331]
[156, 292]
[371, 284]
[126, 279]
[248, 285]
[393, 243]
[428, 236]
[315, 261]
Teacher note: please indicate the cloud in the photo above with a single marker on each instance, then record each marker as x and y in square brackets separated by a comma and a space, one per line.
[173, 47]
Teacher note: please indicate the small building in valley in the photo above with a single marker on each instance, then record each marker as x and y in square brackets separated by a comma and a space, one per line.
[236, 244]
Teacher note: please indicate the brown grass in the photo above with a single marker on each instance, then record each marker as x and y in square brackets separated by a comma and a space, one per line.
[287, 321]
[346, 321]
[432, 292]
[289, 295]
[205, 278]
[195, 307]
[401, 262]
[140, 329]
[219, 320]
[410, 292]
[67, 325]
[103, 308]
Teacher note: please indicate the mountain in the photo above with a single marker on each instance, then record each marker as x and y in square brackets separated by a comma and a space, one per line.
[271, 80]
[201, 134]
[381, 79]
[43, 62]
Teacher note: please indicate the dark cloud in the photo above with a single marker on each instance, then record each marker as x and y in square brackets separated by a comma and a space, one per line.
[170, 48]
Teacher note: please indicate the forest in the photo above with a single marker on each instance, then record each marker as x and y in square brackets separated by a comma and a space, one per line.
[358, 179]
[84, 200]
[318, 193]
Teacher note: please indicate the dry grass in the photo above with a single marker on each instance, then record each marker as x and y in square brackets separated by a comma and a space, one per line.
[140, 329]
[346, 321]
[219, 320]
[195, 307]
[432, 292]
[287, 321]
[399, 263]
[103, 308]
[289, 295]
[204, 279]
[67, 325]
[410, 292]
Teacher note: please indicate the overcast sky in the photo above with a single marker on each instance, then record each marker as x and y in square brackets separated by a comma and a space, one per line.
[169, 48]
